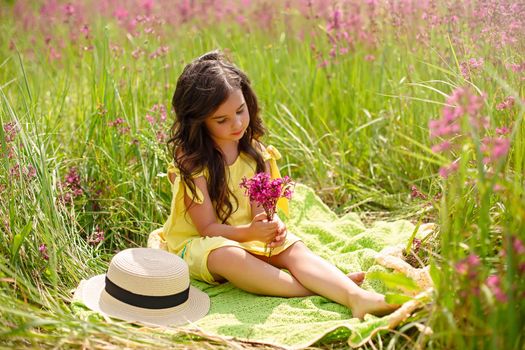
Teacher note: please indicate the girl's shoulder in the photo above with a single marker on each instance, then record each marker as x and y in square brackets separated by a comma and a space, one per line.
[267, 152]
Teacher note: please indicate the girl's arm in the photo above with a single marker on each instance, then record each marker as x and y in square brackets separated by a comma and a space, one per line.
[205, 220]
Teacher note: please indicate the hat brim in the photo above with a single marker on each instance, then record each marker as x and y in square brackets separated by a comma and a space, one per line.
[93, 295]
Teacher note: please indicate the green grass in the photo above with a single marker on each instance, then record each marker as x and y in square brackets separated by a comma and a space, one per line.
[355, 130]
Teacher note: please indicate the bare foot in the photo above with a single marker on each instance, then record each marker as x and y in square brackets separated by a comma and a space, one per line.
[357, 277]
[372, 303]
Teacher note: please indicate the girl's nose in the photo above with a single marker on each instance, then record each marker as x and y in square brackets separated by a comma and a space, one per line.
[238, 120]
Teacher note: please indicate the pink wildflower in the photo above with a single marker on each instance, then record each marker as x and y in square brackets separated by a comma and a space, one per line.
[161, 136]
[70, 187]
[43, 251]
[120, 125]
[85, 30]
[266, 192]
[494, 284]
[502, 131]
[446, 171]
[441, 147]
[69, 9]
[10, 131]
[518, 246]
[506, 104]
[120, 13]
[415, 193]
[97, 236]
[494, 148]
[150, 119]
[469, 266]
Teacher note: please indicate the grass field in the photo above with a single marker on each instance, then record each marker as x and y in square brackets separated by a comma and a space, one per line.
[393, 109]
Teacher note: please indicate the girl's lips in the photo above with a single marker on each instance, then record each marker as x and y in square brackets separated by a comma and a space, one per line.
[238, 133]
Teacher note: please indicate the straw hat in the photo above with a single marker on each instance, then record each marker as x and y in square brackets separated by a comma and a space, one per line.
[145, 285]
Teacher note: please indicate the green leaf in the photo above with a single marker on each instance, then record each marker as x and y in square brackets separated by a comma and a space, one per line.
[18, 239]
[434, 274]
[394, 280]
[395, 298]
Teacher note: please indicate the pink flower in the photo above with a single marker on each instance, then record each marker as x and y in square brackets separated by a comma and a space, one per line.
[266, 192]
[85, 30]
[43, 251]
[71, 187]
[506, 104]
[469, 266]
[97, 236]
[494, 284]
[502, 131]
[494, 148]
[446, 171]
[415, 193]
[150, 119]
[440, 147]
[10, 131]
[518, 246]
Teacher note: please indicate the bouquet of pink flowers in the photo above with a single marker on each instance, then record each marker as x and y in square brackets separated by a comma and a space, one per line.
[266, 192]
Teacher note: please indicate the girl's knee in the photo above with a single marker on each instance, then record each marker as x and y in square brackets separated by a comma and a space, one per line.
[226, 255]
[296, 251]
[299, 248]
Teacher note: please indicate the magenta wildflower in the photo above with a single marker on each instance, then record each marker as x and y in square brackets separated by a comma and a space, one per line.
[120, 13]
[69, 10]
[415, 193]
[502, 131]
[266, 191]
[97, 236]
[494, 284]
[494, 148]
[446, 171]
[137, 53]
[507, 103]
[85, 30]
[161, 136]
[43, 251]
[71, 187]
[518, 246]
[441, 147]
[10, 131]
[468, 266]
[150, 119]
[121, 125]
[471, 65]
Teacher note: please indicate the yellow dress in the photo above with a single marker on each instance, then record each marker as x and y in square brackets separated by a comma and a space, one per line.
[181, 235]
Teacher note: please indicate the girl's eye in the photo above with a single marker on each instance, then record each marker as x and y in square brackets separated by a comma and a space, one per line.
[221, 121]
[239, 112]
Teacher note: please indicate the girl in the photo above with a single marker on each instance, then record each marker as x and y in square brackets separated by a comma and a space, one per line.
[212, 225]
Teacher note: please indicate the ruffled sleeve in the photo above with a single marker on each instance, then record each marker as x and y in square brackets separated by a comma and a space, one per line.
[178, 186]
[271, 154]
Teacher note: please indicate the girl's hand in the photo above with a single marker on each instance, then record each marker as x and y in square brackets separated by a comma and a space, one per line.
[281, 233]
[262, 230]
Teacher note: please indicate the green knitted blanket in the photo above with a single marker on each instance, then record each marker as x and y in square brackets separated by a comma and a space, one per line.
[295, 323]
[299, 322]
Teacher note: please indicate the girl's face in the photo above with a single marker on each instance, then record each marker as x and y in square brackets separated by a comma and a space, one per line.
[230, 120]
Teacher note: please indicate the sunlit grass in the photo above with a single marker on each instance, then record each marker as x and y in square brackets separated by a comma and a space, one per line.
[355, 129]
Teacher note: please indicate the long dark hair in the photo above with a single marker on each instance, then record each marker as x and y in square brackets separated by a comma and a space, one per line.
[203, 86]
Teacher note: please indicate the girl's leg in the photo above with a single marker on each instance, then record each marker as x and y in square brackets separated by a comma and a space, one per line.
[247, 272]
[325, 279]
